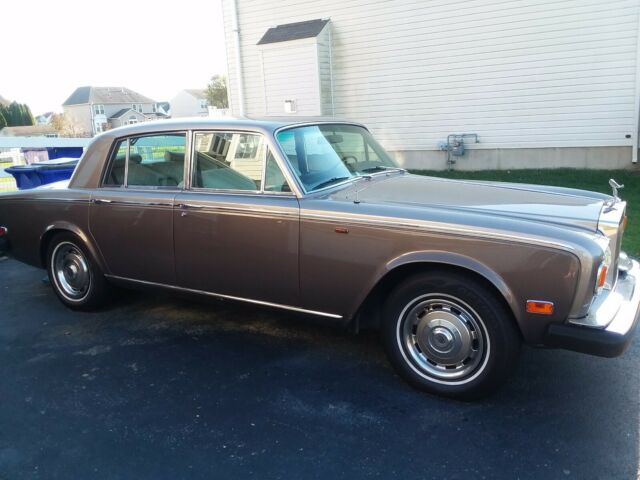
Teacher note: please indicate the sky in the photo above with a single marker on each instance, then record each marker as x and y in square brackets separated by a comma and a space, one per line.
[156, 48]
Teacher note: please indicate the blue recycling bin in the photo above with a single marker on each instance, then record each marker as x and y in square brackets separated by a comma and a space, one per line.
[42, 173]
[25, 175]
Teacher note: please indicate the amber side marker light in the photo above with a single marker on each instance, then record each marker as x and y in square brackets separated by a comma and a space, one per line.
[602, 276]
[540, 307]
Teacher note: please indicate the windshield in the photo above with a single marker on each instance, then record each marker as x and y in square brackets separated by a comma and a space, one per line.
[323, 155]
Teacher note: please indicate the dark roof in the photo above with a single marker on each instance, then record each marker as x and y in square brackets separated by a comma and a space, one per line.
[293, 31]
[106, 96]
[122, 112]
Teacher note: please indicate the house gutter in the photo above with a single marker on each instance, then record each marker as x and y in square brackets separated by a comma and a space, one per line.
[236, 39]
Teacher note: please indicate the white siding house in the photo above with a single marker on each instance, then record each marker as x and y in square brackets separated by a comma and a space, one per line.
[543, 84]
[189, 103]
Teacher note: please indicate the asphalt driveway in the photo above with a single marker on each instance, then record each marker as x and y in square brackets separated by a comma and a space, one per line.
[157, 387]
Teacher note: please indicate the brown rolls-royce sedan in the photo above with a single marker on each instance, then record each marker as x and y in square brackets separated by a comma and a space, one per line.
[317, 218]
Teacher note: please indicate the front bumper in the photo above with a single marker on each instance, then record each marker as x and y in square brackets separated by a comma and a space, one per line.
[620, 309]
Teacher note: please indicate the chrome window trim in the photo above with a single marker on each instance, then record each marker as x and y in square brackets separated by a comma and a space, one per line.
[256, 193]
[125, 184]
[227, 297]
[269, 145]
[186, 181]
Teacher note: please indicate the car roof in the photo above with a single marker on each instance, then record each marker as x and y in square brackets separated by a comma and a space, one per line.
[267, 125]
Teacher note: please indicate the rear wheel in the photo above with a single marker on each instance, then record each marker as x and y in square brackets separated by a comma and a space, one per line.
[450, 335]
[76, 278]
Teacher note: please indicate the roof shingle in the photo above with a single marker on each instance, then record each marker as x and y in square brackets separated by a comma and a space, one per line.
[105, 96]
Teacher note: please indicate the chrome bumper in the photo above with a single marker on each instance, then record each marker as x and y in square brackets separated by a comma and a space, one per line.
[608, 328]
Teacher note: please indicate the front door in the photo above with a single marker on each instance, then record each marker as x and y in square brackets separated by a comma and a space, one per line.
[236, 230]
[131, 215]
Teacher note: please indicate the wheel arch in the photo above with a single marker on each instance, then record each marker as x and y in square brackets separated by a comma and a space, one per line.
[67, 227]
[367, 311]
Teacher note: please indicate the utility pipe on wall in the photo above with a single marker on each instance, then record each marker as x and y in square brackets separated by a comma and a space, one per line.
[236, 39]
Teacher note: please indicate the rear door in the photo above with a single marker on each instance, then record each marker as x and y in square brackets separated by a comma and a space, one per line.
[236, 229]
[131, 214]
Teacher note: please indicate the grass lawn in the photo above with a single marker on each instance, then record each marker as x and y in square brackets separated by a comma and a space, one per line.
[596, 180]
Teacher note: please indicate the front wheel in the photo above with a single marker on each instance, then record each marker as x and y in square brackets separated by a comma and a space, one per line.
[450, 335]
[76, 278]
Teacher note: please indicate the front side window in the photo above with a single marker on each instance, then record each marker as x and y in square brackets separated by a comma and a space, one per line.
[155, 161]
[228, 160]
[323, 155]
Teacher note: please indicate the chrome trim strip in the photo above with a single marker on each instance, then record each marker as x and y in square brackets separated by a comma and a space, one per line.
[226, 297]
[55, 199]
[250, 211]
[429, 227]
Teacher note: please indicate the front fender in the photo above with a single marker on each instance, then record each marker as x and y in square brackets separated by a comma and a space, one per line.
[435, 257]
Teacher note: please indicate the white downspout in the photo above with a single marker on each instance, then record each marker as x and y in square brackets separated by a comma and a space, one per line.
[236, 38]
[636, 111]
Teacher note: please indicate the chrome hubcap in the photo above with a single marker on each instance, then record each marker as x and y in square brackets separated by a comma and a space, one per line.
[442, 337]
[71, 271]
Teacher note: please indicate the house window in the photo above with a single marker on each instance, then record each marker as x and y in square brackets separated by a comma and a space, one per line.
[132, 120]
[99, 128]
[137, 107]
[203, 104]
[155, 108]
[98, 109]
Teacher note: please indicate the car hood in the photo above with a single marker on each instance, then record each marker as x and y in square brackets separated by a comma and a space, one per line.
[562, 206]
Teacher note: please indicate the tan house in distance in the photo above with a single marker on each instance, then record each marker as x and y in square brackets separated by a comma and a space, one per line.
[189, 103]
[92, 110]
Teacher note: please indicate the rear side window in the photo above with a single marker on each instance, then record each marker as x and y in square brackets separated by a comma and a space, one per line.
[155, 161]
[115, 173]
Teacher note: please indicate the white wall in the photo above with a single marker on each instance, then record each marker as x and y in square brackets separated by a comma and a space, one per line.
[186, 105]
[518, 73]
[289, 71]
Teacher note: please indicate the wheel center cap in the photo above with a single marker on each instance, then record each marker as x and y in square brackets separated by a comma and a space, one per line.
[72, 271]
[441, 339]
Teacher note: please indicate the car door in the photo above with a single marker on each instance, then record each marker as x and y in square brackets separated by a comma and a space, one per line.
[236, 228]
[131, 214]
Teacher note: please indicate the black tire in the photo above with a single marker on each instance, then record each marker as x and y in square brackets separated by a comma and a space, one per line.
[448, 334]
[96, 289]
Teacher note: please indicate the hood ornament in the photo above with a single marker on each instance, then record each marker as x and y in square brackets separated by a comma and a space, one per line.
[615, 186]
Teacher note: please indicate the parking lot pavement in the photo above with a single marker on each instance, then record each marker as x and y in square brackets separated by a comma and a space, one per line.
[157, 387]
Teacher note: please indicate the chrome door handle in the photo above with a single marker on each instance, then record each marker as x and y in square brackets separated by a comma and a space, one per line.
[101, 200]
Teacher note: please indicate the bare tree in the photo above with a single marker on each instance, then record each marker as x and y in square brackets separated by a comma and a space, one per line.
[216, 92]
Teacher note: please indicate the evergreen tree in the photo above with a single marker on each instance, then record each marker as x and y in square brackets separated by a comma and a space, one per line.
[17, 114]
[3, 122]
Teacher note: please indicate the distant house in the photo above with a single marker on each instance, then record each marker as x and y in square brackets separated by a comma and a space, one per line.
[92, 110]
[164, 108]
[29, 131]
[189, 103]
[45, 118]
